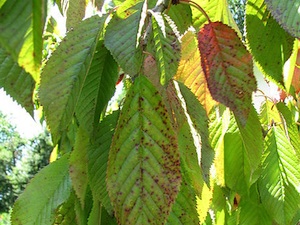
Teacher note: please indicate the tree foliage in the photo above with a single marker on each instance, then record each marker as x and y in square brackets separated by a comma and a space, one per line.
[186, 145]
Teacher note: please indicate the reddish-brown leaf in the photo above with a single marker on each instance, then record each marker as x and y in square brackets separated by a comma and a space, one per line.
[228, 67]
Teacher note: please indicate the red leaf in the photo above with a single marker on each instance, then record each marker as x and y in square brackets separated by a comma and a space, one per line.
[228, 67]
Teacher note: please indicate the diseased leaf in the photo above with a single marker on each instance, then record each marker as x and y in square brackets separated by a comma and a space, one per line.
[98, 88]
[122, 36]
[98, 157]
[16, 82]
[166, 46]
[21, 30]
[65, 72]
[271, 46]
[190, 71]
[182, 16]
[78, 165]
[278, 196]
[75, 13]
[287, 14]
[227, 66]
[143, 175]
[45, 192]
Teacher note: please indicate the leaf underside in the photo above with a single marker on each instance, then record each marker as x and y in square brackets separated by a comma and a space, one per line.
[228, 68]
[143, 174]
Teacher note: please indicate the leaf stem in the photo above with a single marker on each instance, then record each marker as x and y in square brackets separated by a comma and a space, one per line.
[192, 3]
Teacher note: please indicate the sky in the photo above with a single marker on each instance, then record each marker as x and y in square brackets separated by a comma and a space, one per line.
[17, 116]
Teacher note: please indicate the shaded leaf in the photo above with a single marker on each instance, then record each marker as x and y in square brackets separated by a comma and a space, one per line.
[64, 74]
[99, 215]
[287, 15]
[122, 36]
[271, 46]
[16, 82]
[78, 165]
[227, 67]
[37, 207]
[65, 213]
[190, 71]
[143, 175]
[182, 16]
[98, 88]
[166, 46]
[98, 157]
[21, 29]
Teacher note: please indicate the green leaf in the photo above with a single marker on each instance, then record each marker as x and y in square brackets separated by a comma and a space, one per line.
[252, 138]
[143, 175]
[78, 164]
[65, 214]
[46, 191]
[98, 157]
[98, 88]
[99, 215]
[200, 122]
[234, 162]
[278, 195]
[123, 34]
[271, 46]
[184, 210]
[182, 17]
[75, 13]
[287, 15]
[21, 29]
[228, 68]
[16, 82]
[166, 46]
[65, 72]
[217, 10]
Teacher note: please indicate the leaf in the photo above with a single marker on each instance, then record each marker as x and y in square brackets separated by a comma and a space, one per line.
[182, 16]
[75, 13]
[217, 10]
[99, 216]
[184, 209]
[46, 191]
[234, 162]
[287, 15]
[98, 88]
[278, 196]
[123, 34]
[166, 46]
[16, 82]
[65, 72]
[21, 29]
[65, 214]
[227, 67]
[98, 157]
[143, 175]
[271, 46]
[200, 122]
[78, 165]
[252, 138]
[190, 71]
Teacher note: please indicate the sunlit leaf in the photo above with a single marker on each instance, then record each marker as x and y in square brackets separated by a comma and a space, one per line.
[16, 82]
[190, 71]
[143, 175]
[182, 16]
[46, 191]
[21, 29]
[123, 34]
[75, 13]
[65, 72]
[271, 46]
[227, 67]
[279, 197]
[287, 14]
